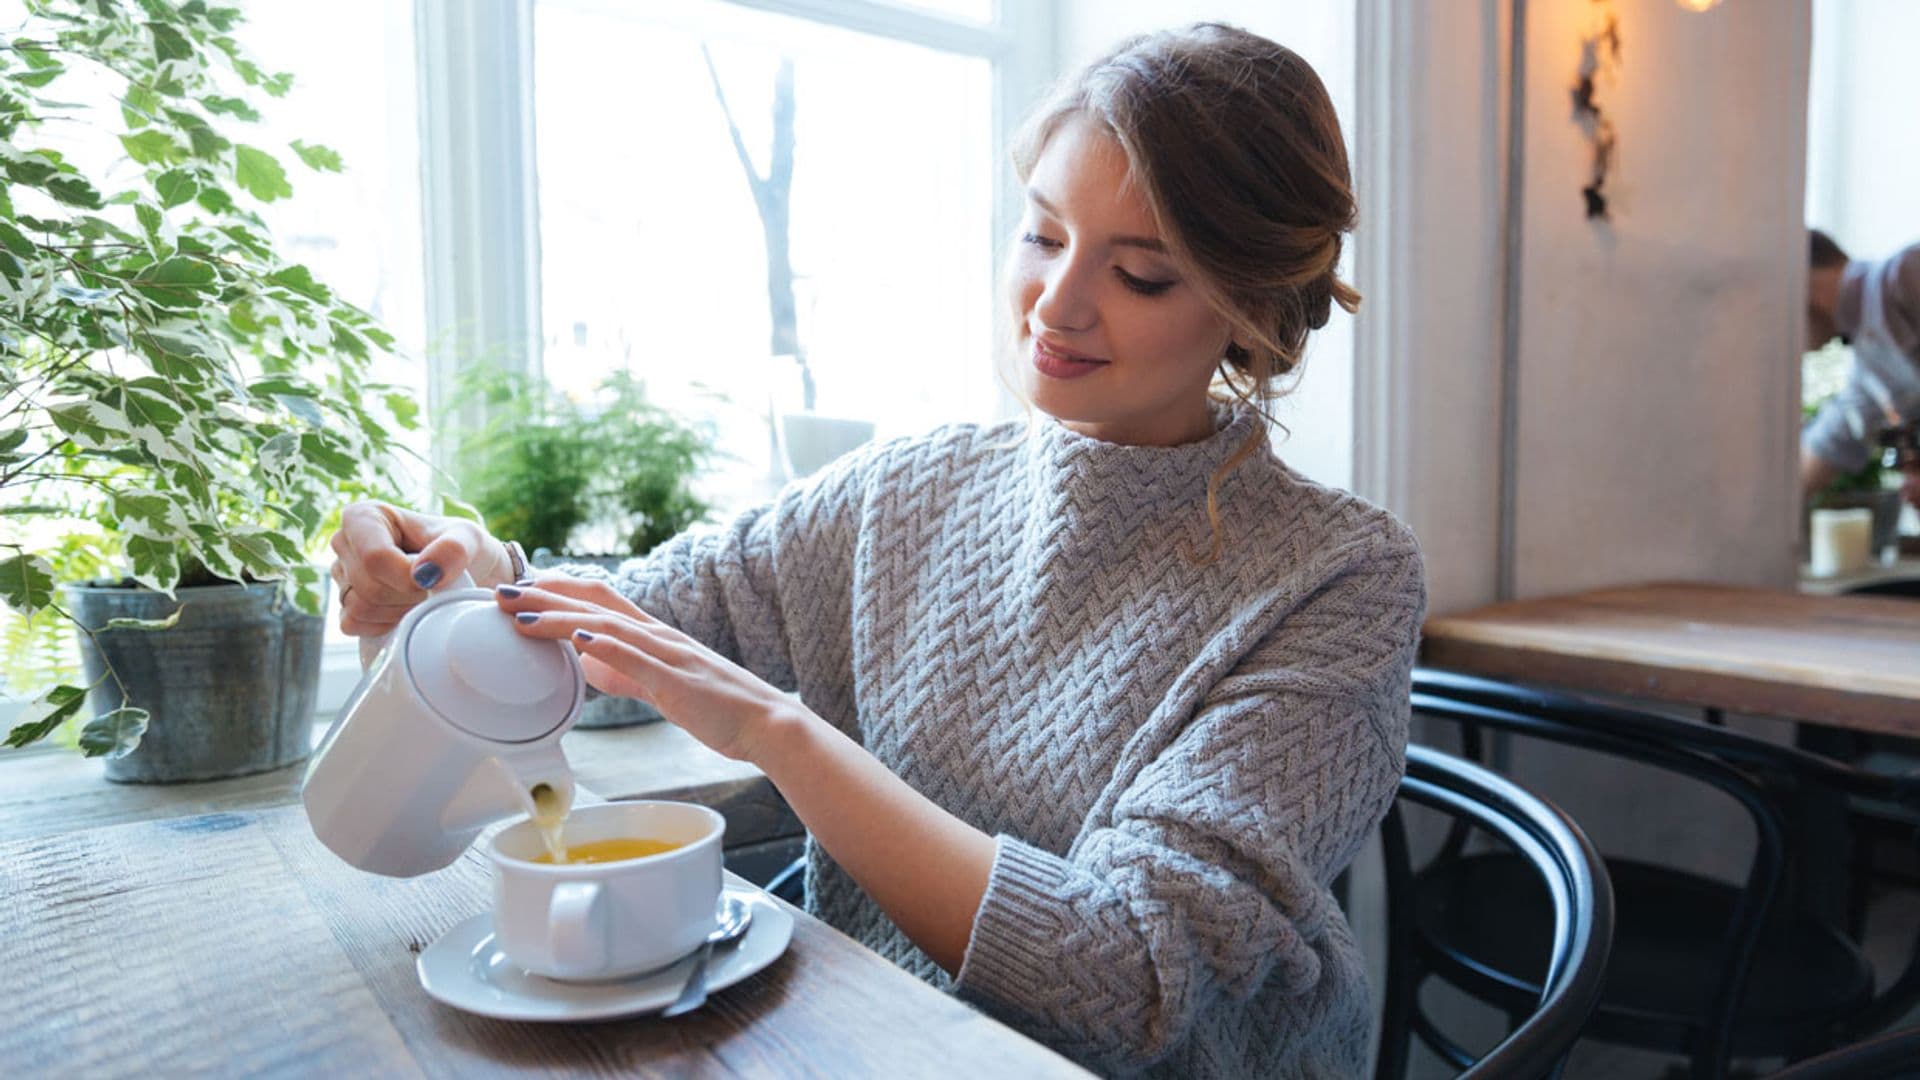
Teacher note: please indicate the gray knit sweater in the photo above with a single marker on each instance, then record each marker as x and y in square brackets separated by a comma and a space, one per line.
[1176, 759]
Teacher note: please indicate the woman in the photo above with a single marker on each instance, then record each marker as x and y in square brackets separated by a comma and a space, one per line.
[1087, 721]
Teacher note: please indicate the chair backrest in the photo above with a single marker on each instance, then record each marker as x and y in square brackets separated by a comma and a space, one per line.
[1755, 773]
[1890, 1055]
[1575, 878]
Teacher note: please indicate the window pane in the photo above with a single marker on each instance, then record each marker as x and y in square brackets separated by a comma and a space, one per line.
[358, 229]
[654, 257]
[975, 10]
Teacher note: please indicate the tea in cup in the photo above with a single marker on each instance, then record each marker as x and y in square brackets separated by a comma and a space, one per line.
[637, 891]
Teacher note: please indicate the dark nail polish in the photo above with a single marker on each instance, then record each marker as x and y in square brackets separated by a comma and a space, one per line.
[583, 635]
[426, 575]
[507, 591]
[528, 617]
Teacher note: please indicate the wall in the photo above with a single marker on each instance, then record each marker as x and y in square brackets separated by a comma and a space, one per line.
[1657, 375]
[1659, 353]
[1319, 413]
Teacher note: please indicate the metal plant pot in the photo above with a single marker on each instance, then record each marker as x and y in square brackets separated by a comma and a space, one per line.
[230, 687]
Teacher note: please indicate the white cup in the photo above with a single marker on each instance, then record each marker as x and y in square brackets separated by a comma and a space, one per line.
[588, 921]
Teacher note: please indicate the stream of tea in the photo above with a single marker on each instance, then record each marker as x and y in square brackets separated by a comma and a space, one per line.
[550, 817]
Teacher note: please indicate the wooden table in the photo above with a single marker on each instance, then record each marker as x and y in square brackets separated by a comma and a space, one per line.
[233, 943]
[1838, 661]
[43, 793]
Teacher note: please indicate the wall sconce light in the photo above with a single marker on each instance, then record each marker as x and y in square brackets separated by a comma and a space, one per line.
[1698, 5]
[1599, 54]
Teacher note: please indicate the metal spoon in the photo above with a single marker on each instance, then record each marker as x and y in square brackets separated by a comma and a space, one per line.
[734, 917]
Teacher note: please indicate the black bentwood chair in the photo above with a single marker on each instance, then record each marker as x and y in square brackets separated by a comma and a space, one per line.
[1701, 968]
[1894, 1055]
[1572, 954]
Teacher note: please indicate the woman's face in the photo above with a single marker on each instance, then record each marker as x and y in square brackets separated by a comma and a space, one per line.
[1117, 343]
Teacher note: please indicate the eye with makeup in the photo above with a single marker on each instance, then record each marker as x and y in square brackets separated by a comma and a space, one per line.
[1143, 286]
[1140, 285]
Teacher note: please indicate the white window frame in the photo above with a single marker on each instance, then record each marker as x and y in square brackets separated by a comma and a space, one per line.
[478, 175]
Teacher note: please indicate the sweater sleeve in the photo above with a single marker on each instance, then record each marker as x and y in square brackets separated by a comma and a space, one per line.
[746, 588]
[1211, 879]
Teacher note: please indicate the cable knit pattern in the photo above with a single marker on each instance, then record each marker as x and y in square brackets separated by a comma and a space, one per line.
[1176, 759]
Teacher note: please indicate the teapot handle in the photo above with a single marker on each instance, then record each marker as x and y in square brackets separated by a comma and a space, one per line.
[373, 644]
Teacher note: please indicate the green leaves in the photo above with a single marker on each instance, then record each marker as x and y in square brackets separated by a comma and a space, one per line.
[74, 191]
[169, 43]
[156, 563]
[16, 241]
[300, 280]
[10, 444]
[175, 187]
[317, 157]
[46, 712]
[258, 172]
[26, 583]
[153, 146]
[179, 282]
[114, 735]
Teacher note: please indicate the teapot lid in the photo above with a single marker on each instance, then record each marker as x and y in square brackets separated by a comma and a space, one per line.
[481, 675]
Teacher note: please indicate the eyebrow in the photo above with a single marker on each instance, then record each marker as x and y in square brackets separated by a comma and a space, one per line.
[1147, 242]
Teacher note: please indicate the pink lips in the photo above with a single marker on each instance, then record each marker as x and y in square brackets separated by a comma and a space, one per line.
[1058, 363]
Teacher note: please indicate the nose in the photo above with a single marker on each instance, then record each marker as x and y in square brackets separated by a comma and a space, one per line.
[1066, 300]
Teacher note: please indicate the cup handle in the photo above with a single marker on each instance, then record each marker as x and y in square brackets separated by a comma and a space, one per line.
[576, 924]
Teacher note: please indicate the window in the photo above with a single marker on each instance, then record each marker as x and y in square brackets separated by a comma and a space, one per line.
[1863, 150]
[616, 227]
[864, 267]
[358, 229]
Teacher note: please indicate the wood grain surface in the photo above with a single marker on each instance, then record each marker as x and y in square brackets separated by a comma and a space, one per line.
[233, 943]
[1840, 661]
[45, 792]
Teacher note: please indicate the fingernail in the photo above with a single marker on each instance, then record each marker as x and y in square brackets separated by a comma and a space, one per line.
[524, 581]
[507, 591]
[582, 635]
[426, 575]
[528, 617]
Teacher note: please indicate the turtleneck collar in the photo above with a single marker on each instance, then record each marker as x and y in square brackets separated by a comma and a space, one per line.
[1098, 508]
[1077, 461]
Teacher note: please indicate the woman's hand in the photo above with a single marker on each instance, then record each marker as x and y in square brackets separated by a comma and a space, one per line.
[632, 654]
[927, 869]
[386, 560]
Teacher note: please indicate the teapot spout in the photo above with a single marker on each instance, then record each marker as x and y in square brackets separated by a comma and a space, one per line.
[502, 785]
[543, 780]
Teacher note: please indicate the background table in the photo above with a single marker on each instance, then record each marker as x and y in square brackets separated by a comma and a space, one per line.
[1839, 661]
[234, 943]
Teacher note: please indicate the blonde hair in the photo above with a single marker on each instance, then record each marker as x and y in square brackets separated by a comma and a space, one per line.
[1233, 143]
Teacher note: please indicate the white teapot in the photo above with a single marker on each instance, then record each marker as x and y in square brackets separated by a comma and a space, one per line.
[456, 721]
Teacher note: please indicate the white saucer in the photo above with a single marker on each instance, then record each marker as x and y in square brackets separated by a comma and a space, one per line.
[465, 969]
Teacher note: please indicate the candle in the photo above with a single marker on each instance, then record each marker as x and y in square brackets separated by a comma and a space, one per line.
[1842, 541]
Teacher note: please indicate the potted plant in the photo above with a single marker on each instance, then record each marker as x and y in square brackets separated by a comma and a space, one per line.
[597, 482]
[1872, 486]
[181, 410]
